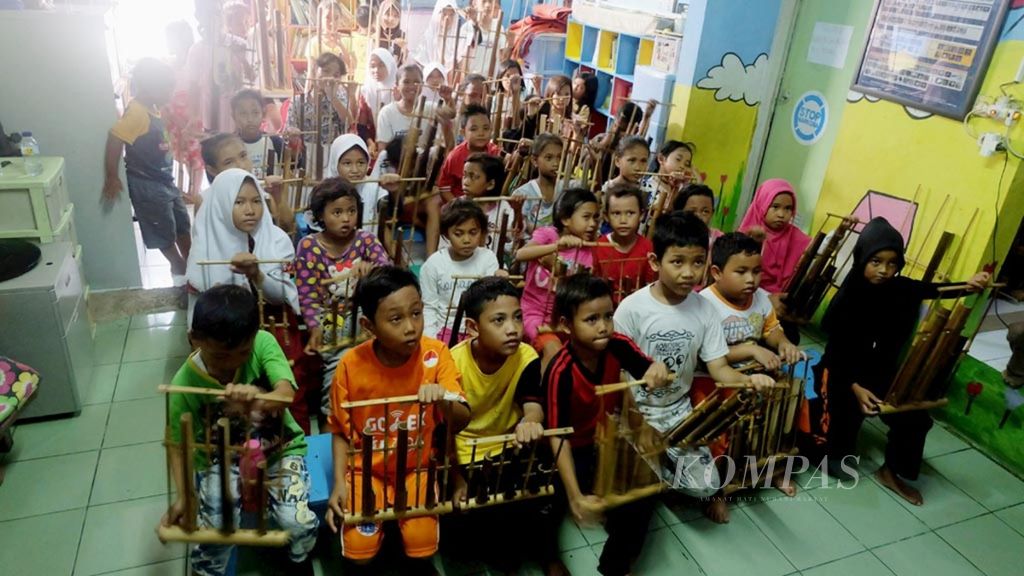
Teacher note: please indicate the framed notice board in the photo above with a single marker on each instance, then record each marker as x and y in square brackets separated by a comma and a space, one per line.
[930, 54]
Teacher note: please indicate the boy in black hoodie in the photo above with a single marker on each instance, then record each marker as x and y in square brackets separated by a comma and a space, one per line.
[868, 323]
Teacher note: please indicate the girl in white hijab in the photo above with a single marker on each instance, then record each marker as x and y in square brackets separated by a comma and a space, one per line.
[430, 47]
[235, 225]
[349, 159]
[434, 77]
[376, 91]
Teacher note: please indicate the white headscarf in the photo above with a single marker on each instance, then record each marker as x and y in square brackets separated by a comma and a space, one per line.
[378, 94]
[343, 144]
[429, 49]
[431, 94]
[369, 192]
[215, 237]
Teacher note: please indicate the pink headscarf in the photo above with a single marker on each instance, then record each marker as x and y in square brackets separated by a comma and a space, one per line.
[782, 248]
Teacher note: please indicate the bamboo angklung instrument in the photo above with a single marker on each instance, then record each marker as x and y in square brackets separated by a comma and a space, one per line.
[815, 271]
[263, 44]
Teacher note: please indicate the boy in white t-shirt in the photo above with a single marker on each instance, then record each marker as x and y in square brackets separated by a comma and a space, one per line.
[747, 315]
[674, 327]
[463, 224]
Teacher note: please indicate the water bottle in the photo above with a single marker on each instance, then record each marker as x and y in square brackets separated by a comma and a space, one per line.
[249, 470]
[30, 152]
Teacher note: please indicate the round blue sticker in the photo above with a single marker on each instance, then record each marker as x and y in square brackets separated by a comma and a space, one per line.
[810, 117]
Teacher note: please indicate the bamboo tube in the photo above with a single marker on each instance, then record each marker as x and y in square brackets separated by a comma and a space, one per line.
[408, 399]
[960, 247]
[443, 507]
[724, 410]
[941, 350]
[497, 108]
[456, 277]
[742, 386]
[401, 466]
[710, 403]
[188, 470]
[369, 500]
[267, 397]
[606, 455]
[945, 240]
[918, 351]
[273, 538]
[453, 338]
[603, 389]
[227, 508]
[503, 438]
[228, 262]
[886, 408]
[261, 489]
[924, 242]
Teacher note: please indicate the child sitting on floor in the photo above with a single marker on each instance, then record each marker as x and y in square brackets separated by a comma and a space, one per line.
[621, 255]
[596, 354]
[501, 378]
[223, 151]
[350, 159]
[674, 170]
[677, 327]
[631, 156]
[476, 129]
[482, 175]
[699, 200]
[234, 356]
[327, 266]
[398, 361]
[463, 224]
[542, 192]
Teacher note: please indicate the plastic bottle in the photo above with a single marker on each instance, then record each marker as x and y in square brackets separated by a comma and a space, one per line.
[30, 152]
[248, 469]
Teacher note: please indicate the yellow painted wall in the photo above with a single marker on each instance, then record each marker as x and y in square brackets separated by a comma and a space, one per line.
[880, 147]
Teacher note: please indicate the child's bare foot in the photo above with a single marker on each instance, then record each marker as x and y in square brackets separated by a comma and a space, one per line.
[717, 510]
[893, 482]
[783, 484]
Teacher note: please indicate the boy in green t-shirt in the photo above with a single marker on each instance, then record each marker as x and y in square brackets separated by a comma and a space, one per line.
[234, 355]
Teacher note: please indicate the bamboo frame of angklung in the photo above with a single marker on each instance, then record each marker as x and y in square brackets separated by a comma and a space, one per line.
[438, 476]
[267, 322]
[815, 270]
[226, 534]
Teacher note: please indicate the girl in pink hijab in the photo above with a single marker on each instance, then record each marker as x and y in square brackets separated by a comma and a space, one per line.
[771, 216]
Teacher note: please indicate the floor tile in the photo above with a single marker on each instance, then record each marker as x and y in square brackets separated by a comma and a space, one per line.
[595, 534]
[100, 389]
[998, 364]
[664, 555]
[47, 485]
[989, 345]
[136, 422]
[580, 561]
[171, 318]
[988, 543]
[119, 324]
[154, 343]
[941, 441]
[41, 544]
[108, 346]
[62, 436]
[871, 446]
[569, 536]
[863, 564]
[870, 514]
[169, 568]
[804, 531]
[924, 555]
[128, 528]
[1014, 517]
[944, 503]
[130, 472]
[981, 478]
[674, 510]
[734, 548]
[138, 380]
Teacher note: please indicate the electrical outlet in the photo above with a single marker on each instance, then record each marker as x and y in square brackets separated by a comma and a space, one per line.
[989, 142]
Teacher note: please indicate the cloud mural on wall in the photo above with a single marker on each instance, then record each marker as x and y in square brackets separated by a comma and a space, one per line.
[734, 81]
[854, 96]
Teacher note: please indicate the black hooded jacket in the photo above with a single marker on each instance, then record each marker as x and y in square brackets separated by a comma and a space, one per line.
[869, 325]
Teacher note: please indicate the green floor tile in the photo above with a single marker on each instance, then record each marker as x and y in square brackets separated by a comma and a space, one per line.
[47, 485]
[108, 346]
[595, 534]
[944, 503]
[984, 480]
[138, 380]
[664, 555]
[169, 568]
[41, 544]
[941, 441]
[172, 318]
[118, 325]
[130, 472]
[62, 436]
[729, 549]
[1014, 516]
[100, 388]
[580, 561]
[126, 528]
[863, 564]
[674, 509]
[924, 555]
[154, 343]
[569, 536]
[988, 543]
[804, 531]
[870, 514]
[871, 447]
[135, 422]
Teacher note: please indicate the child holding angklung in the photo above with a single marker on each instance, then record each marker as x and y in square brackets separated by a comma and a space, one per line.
[476, 129]
[675, 326]
[621, 255]
[375, 93]
[769, 219]
[630, 157]
[674, 172]
[327, 266]
[223, 151]
[596, 354]
[463, 224]
[868, 323]
[541, 193]
[350, 159]
[398, 361]
[396, 118]
[502, 381]
[234, 356]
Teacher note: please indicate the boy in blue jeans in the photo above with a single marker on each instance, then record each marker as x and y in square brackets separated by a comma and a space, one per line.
[142, 136]
[232, 354]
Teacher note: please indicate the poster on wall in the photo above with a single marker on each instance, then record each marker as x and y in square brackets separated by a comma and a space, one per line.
[930, 54]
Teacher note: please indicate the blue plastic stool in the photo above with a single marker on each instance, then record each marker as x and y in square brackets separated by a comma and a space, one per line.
[320, 463]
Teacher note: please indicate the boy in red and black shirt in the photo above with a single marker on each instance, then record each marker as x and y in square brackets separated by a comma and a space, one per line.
[595, 355]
